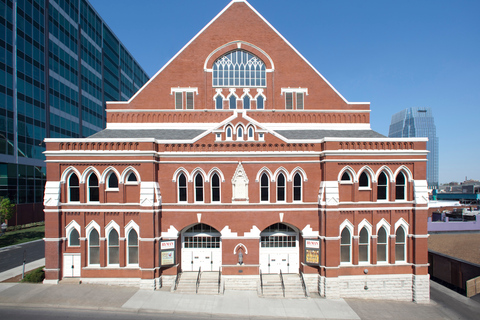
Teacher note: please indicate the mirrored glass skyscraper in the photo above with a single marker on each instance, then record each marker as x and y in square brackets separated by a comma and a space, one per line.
[419, 122]
[59, 63]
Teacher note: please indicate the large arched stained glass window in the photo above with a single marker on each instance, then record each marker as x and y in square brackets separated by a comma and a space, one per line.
[239, 68]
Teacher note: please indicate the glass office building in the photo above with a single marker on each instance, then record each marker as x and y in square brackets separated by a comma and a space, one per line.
[419, 122]
[59, 63]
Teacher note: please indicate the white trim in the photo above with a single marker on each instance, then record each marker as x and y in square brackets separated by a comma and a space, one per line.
[68, 229]
[124, 176]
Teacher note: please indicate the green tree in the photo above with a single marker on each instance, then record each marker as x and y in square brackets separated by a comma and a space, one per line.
[6, 209]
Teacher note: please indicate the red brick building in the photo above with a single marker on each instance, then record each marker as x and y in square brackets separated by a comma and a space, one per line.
[239, 149]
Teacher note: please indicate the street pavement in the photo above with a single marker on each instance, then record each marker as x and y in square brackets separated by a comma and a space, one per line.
[12, 256]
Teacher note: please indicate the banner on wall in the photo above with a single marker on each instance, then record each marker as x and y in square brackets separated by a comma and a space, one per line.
[312, 252]
[167, 253]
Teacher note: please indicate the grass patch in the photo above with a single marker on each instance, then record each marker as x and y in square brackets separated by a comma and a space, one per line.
[34, 276]
[11, 238]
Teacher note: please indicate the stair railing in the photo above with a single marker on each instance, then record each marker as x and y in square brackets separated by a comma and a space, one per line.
[283, 284]
[304, 286]
[219, 279]
[177, 280]
[198, 279]
[261, 281]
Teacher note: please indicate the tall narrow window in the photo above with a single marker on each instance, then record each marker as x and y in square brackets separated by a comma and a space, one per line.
[94, 247]
[364, 181]
[281, 187]
[219, 102]
[250, 133]
[382, 245]
[132, 247]
[74, 238]
[288, 100]
[297, 187]
[382, 185]
[299, 100]
[264, 190]
[182, 188]
[215, 188]
[260, 101]
[239, 133]
[363, 245]
[246, 102]
[189, 99]
[233, 102]
[93, 192]
[198, 188]
[345, 246]
[229, 133]
[112, 182]
[400, 244]
[113, 247]
[400, 186]
[178, 100]
[73, 188]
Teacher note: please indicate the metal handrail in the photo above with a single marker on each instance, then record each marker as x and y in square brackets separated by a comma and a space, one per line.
[261, 281]
[198, 279]
[177, 280]
[283, 284]
[219, 279]
[303, 284]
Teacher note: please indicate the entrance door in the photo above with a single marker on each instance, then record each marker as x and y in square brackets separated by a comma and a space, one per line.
[279, 261]
[202, 259]
[279, 249]
[71, 265]
[201, 248]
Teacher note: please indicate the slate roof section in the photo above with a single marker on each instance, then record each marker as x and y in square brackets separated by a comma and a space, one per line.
[320, 134]
[160, 134]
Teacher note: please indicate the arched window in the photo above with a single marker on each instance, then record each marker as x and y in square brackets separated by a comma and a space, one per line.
[246, 102]
[400, 244]
[232, 102]
[94, 247]
[198, 188]
[239, 133]
[363, 246]
[345, 246]
[239, 68]
[250, 133]
[73, 188]
[132, 245]
[112, 182]
[346, 177]
[182, 187]
[364, 180]
[219, 102]
[93, 191]
[229, 133]
[113, 247]
[400, 186]
[382, 245]
[281, 187]
[260, 101]
[74, 238]
[382, 187]
[297, 187]
[215, 187]
[132, 178]
[264, 187]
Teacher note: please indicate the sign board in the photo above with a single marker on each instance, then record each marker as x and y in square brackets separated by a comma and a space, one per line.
[167, 253]
[312, 252]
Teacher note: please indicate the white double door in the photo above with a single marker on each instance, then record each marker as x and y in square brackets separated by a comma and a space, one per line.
[207, 259]
[72, 265]
[272, 261]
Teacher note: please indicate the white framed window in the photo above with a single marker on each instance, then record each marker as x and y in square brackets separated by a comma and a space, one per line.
[364, 181]
[400, 244]
[239, 68]
[113, 247]
[382, 187]
[229, 133]
[289, 100]
[346, 177]
[73, 188]
[184, 97]
[112, 182]
[299, 102]
[382, 245]
[246, 101]
[215, 186]
[182, 188]
[131, 178]
[264, 188]
[198, 188]
[400, 187]
[240, 133]
[281, 188]
[74, 238]
[93, 188]
[251, 133]
[260, 102]
[132, 247]
[346, 246]
[294, 98]
[93, 247]
[232, 102]
[364, 246]
[297, 187]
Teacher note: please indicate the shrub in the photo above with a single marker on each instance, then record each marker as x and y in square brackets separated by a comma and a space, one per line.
[35, 276]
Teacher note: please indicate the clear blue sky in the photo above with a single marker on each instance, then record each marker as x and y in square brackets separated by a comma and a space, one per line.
[393, 54]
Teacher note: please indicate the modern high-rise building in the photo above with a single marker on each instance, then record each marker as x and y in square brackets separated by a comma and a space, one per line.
[419, 122]
[59, 63]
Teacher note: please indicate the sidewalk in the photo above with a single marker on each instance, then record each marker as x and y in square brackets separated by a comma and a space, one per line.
[18, 270]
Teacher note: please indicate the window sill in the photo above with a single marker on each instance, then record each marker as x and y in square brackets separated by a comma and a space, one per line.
[112, 190]
[364, 189]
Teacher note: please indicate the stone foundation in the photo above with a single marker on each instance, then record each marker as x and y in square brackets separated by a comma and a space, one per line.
[421, 288]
